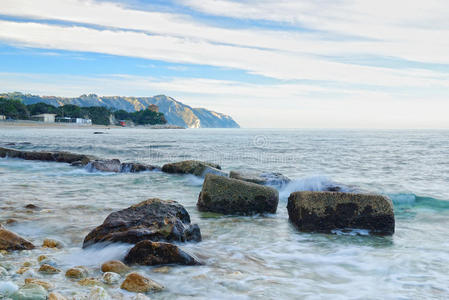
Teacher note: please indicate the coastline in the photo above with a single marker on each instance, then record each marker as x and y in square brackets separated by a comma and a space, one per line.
[36, 124]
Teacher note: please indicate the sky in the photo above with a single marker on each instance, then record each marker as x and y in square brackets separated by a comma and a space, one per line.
[267, 63]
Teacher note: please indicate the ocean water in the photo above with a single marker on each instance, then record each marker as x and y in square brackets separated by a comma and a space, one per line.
[259, 257]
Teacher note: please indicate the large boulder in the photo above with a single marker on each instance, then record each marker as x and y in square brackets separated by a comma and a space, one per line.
[194, 167]
[153, 219]
[233, 196]
[148, 253]
[268, 178]
[11, 241]
[327, 211]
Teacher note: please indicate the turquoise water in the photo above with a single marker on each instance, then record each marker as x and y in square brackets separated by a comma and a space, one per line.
[261, 257]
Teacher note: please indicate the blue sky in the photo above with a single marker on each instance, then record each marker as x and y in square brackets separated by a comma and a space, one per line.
[267, 63]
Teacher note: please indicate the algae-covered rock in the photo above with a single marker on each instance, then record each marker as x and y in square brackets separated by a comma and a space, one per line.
[194, 167]
[11, 241]
[137, 283]
[76, 273]
[51, 243]
[327, 211]
[150, 253]
[267, 178]
[48, 269]
[153, 219]
[231, 196]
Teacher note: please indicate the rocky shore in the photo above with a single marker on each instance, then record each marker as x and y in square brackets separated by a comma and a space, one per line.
[159, 229]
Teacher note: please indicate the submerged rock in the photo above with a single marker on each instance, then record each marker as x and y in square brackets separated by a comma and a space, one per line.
[77, 273]
[7, 288]
[11, 241]
[30, 291]
[232, 196]
[327, 211]
[150, 253]
[56, 296]
[47, 269]
[270, 178]
[51, 243]
[137, 283]
[66, 157]
[136, 167]
[194, 167]
[110, 278]
[111, 165]
[91, 281]
[98, 293]
[114, 266]
[44, 284]
[153, 219]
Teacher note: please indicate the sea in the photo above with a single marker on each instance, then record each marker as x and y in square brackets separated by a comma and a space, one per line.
[257, 257]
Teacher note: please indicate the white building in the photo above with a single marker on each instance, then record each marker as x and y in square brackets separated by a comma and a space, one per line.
[47, 118]
[78, 121]
[2, 117]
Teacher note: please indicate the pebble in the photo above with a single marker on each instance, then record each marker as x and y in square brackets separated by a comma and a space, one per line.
[56, 296]
[51, 243]
[89, 281]
[98, 293]
[115, 266]
[76, 273]
[44, 284]
[22, 270]
[47, 269]
[137, 283]
[41, 258]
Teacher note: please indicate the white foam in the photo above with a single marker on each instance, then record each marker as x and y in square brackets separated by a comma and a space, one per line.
[96, 254]
[7, 288]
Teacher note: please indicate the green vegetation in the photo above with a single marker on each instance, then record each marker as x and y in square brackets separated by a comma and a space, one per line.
[141, 117]
[15, 109]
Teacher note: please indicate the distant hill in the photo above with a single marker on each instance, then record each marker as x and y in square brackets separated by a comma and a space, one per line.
[175, 112]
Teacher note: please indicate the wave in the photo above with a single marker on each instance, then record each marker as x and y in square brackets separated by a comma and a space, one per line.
[96, 254]
[406, 200]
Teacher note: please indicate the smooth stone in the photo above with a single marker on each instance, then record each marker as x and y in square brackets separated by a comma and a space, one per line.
[51, 243]
[56, 296]
[328, 211]
[76, 273]
[194, 167]
[30, 292]
[27, 264]
[137, 283]
[22, 270]
[11, 241]
[114, 266]
[89, 281]
[148, 253]
[111, 278]
[236, 197]
[44, 284]
[41, 258]
[153, 219]
[47, 269]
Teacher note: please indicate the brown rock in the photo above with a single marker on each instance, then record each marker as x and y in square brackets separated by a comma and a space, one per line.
[194, 167]
[89, 282]
[114, 266]
[44, 284]
[22, 270]
[41, 258]
[150, 253]
[76, 273]
[56, 296]
[137, 283]
[11, 241]
[47, 269]
[50, 243]
[153, 219]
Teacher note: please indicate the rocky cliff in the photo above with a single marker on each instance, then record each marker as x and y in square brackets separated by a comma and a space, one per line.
[175, 112]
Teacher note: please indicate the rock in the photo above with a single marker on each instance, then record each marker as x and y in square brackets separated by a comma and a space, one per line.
[98, 293]
[56, 296]
[27, 264]
[76, 273]
[111, 278]
[32, 206]
[194, 167]
[112, 165]
[30, 291]
[41, 258]
[137, 283]
[10, 221]
[99, 132]
[44, 284]
[153, 219]
[50, 243]
[22, 270]
[327, 211]
[91, 281]
[47, 269]
[7, 288]
[66, 157]
[271, 178]
[232, 196]
[136, 167]
[148, 253]
[215, 171]
[11, 241]
[114, 266]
